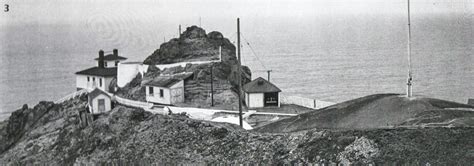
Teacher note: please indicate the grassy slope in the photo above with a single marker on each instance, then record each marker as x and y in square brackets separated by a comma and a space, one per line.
[374, 111]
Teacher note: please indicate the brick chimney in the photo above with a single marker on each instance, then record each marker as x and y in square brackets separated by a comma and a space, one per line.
[115, 52]
[101, 59]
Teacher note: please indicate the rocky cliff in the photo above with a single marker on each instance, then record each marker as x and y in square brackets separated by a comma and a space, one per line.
[195, 45]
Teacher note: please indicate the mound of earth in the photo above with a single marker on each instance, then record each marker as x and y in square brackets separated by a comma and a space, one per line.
[380, 111]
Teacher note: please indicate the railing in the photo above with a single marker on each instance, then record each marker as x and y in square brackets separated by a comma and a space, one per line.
[133, 103]
[305, 102]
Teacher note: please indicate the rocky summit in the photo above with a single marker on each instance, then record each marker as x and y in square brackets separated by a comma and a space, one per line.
[193, 45]
[54, 134]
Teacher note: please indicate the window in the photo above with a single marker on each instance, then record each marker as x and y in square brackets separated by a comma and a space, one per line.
[93, 79]
[88, 79]
[100, 82]
[105, 64]
[161, 93]
[116, 63]
[150, 91]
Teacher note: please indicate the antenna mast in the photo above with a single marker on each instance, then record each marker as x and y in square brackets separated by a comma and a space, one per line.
[410, 78]
[239, 74]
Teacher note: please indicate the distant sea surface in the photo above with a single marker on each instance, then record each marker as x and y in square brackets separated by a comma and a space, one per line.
[331, 59]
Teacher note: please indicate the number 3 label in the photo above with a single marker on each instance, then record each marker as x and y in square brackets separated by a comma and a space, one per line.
[7, 8]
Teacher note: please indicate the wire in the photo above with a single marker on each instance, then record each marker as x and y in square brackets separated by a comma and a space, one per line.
[253, 52]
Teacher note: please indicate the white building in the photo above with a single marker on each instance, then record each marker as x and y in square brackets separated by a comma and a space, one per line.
[101, 75]
[99, 101]
[261, 93]
[166, 90]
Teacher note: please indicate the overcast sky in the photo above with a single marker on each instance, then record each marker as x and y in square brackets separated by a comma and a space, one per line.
[68, 11]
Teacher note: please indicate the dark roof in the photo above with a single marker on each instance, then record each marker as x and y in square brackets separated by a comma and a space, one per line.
[168, 81]
[260, 85]
[96, 71]
[470, 101]
[96, 92]
[163, 82]
[112, 57]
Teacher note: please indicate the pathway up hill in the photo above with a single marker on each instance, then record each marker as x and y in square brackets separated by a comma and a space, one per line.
[380, 111]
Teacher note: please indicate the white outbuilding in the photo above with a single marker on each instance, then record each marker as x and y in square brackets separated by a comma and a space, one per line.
[261, 93]
[166, 90]
[99, 101]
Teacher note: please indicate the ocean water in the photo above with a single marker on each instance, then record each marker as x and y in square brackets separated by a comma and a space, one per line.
[329, 57]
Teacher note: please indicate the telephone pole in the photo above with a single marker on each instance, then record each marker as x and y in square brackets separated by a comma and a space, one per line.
[239, 74]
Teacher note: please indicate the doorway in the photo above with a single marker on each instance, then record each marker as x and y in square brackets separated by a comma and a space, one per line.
[101, 105]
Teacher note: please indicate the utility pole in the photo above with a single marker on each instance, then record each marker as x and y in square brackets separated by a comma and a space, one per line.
[239, 73]
[268, 75]
[212, 86]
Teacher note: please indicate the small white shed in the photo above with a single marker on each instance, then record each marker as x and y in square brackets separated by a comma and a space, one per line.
[261, 93]
[99, 101]
[166, 90]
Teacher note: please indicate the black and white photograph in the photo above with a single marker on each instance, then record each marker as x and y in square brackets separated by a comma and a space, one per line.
[237, 82]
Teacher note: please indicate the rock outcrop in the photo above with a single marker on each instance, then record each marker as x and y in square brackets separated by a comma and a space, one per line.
[195, 45]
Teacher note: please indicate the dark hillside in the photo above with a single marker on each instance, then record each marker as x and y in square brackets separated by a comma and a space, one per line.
[127, 136]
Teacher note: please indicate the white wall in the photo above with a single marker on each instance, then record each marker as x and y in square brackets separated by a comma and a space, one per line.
[155, 98]
[95, 103]
[177, 92]
[81, 82]
[106, 82]
[110, 64]
[127, 71]
[255, 100]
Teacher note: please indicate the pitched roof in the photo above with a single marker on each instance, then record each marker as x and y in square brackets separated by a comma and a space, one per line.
[96, 92]
[97, 71]
[112, 57]
[260, 85]
[163, 82]
[168, 81]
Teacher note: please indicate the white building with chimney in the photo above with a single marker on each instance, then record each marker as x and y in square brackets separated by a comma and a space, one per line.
[101, 75]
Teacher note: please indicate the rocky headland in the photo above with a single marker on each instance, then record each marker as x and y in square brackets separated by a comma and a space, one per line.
[378, 129]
